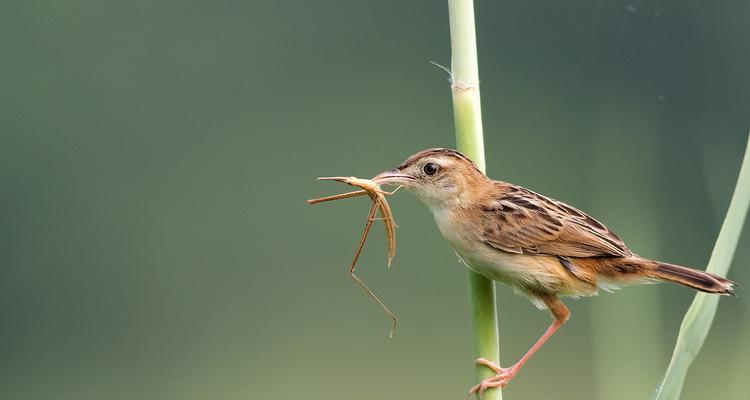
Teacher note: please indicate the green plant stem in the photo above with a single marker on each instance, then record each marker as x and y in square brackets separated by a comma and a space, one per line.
[468, 119]
[700, 315]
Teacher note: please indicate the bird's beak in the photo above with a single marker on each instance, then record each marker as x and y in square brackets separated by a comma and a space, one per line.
[393, 177]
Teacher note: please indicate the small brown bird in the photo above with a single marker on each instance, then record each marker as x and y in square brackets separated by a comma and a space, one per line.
[541, 247]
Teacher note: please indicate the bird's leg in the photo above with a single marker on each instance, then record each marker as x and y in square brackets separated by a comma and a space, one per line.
[560, 314]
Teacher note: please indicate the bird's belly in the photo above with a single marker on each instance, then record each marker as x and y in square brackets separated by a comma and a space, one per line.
[511, 269]
[535, 273]
[532, 274]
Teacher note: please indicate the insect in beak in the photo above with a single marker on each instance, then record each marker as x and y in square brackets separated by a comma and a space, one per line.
[372, 189]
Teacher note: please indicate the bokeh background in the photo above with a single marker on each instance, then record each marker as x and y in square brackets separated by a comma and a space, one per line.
[155, 157]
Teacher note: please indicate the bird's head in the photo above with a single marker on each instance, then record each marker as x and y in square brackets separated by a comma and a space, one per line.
[438, 177]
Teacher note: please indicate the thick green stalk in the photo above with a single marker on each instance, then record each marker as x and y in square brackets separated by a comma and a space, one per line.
[700, 315]
[468, 119]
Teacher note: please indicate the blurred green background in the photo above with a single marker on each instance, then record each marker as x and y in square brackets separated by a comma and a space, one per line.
[155, 157]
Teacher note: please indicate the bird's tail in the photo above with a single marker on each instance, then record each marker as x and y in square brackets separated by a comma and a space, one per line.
[693, 278]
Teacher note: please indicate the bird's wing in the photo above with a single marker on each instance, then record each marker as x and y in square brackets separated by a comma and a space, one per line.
[521, 221]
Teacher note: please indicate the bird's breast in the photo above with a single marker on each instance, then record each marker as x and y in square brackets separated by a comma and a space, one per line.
[457, 227]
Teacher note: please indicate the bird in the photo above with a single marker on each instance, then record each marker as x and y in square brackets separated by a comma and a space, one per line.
[541, 247]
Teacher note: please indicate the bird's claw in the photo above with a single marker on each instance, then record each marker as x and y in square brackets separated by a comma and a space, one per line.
[502, 377]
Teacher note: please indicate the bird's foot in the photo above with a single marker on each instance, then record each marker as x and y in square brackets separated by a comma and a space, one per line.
[501, 379]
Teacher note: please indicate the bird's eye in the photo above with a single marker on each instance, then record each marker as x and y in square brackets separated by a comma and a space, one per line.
[430, 168]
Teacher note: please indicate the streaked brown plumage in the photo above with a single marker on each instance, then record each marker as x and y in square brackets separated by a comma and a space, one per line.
[542, 247]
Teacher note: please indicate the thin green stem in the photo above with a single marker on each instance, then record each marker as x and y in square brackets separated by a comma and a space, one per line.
[468, 119]
[700, 315]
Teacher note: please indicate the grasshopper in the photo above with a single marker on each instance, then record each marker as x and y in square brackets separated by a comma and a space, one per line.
[379, 203]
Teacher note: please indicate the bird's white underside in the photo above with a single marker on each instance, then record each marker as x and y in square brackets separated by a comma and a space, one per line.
[519, 271]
